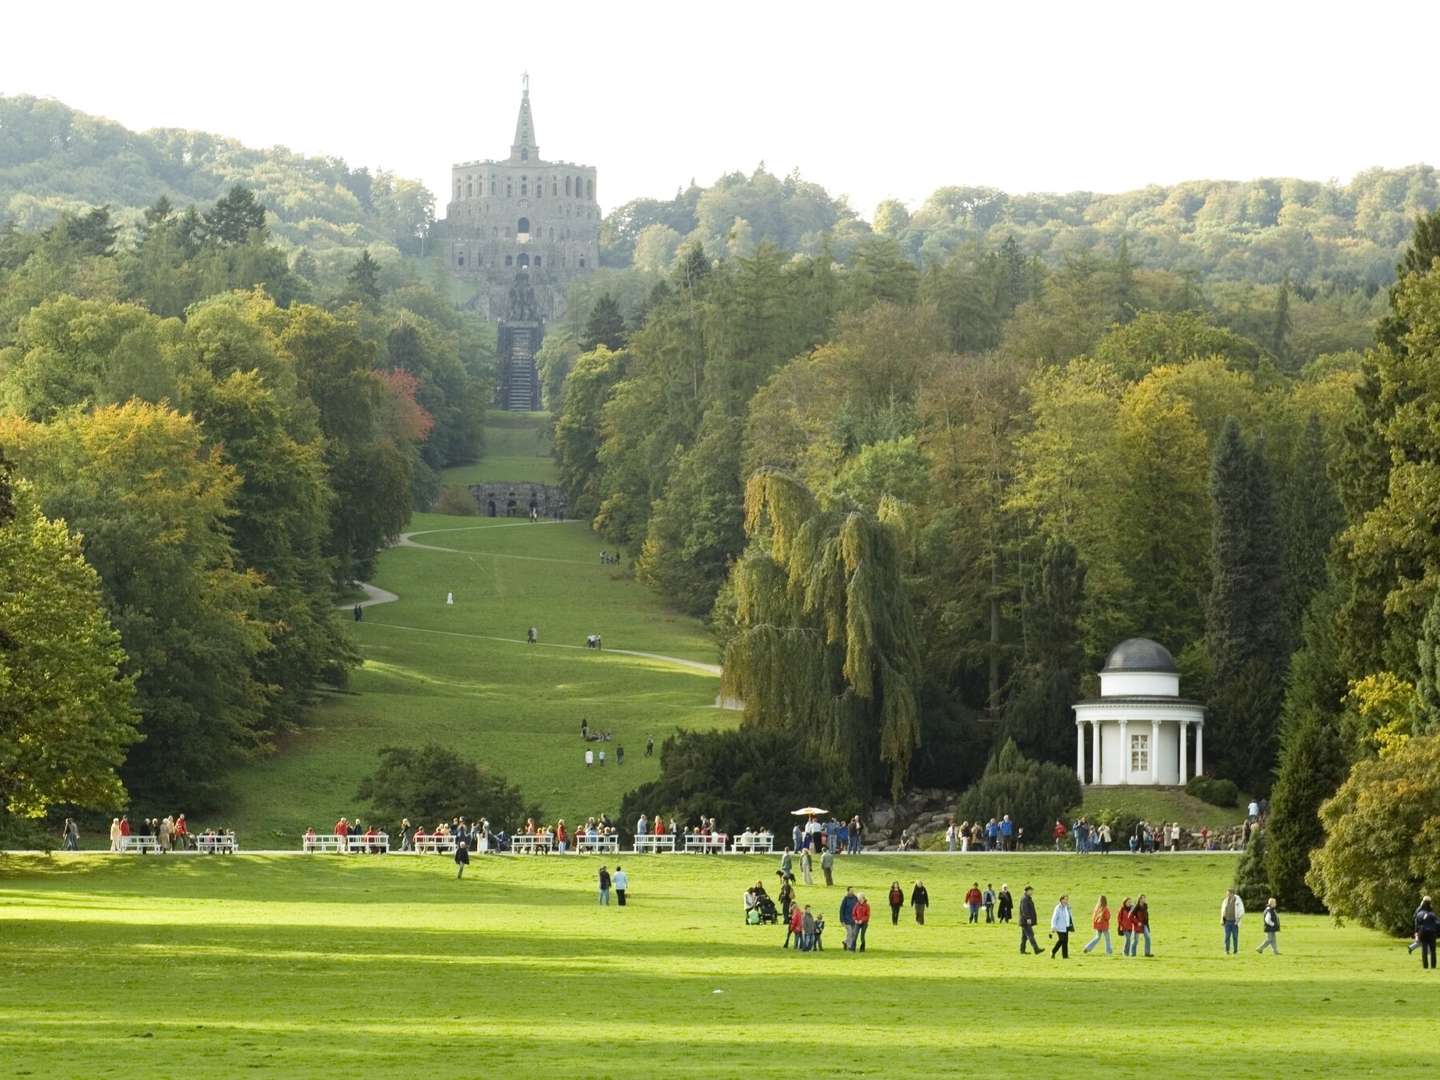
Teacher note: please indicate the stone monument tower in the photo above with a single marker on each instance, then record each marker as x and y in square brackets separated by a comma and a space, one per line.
[522, 215]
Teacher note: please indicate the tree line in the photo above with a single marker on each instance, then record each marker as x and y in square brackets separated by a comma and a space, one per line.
[219, 447]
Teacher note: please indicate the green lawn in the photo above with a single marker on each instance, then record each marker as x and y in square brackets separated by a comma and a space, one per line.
[517, 447]
[388, 967]
[1161, 804]
[462, 675]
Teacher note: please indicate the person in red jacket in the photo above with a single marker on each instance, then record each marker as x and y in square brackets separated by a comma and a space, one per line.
[1059, 833]
[1126, 926]
[972, 901]
[861, 914]
[342, 830]
[897, 901]
[794, 927]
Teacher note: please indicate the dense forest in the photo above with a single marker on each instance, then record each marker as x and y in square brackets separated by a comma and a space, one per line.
[919, 473]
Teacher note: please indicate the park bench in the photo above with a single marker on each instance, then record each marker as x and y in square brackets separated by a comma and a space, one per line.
[754, 844]
[434, 845]
[216, 844]
[705, 843]
[142, 845]
[531, 844]
[321, 842]
[597, 844]
[652, 844]
[359, 843]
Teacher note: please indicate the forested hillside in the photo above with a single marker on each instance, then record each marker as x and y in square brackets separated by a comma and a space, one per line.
[54, 159]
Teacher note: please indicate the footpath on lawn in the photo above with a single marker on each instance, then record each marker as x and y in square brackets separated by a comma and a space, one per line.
[461, 673]
[387, 967]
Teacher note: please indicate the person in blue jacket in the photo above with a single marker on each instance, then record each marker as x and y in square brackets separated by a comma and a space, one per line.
[847, 918]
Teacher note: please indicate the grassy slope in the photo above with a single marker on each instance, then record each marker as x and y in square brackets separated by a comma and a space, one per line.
[432, 673]
[323, 966]
[1162, 804]
[517, 447]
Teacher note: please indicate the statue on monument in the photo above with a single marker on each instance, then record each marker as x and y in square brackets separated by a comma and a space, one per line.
[523, 307]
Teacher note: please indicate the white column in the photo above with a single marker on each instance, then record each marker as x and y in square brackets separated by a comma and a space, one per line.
[1124, 751]
[1154, 751]
[1095, 774]
[1184, 749]
[1080, 750]
[1199, 749]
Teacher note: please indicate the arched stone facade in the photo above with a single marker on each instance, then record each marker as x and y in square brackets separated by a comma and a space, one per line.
[518, 499]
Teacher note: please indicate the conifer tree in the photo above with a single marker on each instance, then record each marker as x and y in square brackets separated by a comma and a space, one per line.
[606, 326]
[1280, 325]
[363, 281]
[1251, 882]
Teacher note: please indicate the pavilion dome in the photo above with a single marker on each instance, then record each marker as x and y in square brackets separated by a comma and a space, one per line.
[1140, 654]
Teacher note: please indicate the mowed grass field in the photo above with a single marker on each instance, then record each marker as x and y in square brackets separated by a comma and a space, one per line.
[462, 675]
[517, 447]
[324, 966]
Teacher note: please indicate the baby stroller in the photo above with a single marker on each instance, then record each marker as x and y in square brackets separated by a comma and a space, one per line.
[764, 911]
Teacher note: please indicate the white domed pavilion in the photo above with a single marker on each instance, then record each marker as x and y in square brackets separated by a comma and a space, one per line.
[1139, 725]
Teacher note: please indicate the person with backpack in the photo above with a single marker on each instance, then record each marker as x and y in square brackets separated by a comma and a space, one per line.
[1271, 920]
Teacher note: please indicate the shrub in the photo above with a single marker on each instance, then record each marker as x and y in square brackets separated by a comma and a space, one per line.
[1215, 792]
[742, 778]
[1382, 838]
[435, 784]
[457, 501]
[1033, 793]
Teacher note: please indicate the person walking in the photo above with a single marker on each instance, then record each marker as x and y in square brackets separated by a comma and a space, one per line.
[794, 927]
[1100, 923]
[861, 915]
[847, 918]
[621, 881]
[827, 866]
[649, 745]
[604, 887]
[1140, 920]
[532, 636]
[920, 900]
[897, 901]
[989, 901]
[972, 901]
[1127, 928]
[71, 835]
[462, 857]
[805, 867]
[1270, 919]
[787, 863]
[1427, 930]
[1061, 923]
[1028, 918]
[1006, 906]
[359, 613]
[1232, 910]
[950, 837]
[115, 834]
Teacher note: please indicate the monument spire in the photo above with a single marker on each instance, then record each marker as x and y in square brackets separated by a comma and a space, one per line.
[524, 148]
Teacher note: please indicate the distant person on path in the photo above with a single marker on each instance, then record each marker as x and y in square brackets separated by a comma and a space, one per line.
[649, 745]
[1059, 833]
[827, 866]
[988, 899]
[1140, 919]
[847, 918]
[1427, 930]
[1061, 923]
[1270, 919]
[619, 755]
[1105, 836]
[1028, 918]
[462, 857]
[950, 837]
[1100, 923]
[621, 882]
[604, 887]
[861, 914]
[856, 829]
[1232, 910]
[449, 599]
[359, 613]
[71, 835]
[115, 834]
[972, 901]
[1006, 905]
[920, 900]
[897, 901]
[532, 636]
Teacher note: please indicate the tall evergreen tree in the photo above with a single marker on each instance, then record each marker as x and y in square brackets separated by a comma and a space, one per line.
[1280, 325]
[362, 283]
[606, 326]
[1245, 627]
[1312, 516]
[235, 218]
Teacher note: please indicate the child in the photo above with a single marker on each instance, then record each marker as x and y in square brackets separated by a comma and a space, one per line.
[819, 931]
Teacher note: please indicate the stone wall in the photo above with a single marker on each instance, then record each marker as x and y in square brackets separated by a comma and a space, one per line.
[517, 499]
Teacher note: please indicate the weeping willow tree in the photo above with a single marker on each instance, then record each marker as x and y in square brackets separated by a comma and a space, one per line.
[825, 641]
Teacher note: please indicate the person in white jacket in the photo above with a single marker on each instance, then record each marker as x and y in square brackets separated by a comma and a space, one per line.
[1232, 910]
[1061, 923]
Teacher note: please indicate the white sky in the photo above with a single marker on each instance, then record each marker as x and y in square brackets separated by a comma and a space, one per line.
[871, 100]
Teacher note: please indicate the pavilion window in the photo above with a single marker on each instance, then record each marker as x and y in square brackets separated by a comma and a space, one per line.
[1139, 753]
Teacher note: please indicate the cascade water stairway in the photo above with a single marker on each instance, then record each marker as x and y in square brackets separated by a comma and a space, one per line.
[522, 382]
